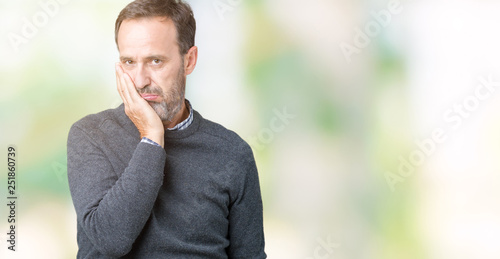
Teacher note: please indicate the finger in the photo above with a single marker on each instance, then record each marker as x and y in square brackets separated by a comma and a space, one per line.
[130, 86]
[123, 89]
[132, 90]
[118, 83]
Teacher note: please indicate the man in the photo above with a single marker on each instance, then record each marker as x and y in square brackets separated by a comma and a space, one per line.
[153, 178]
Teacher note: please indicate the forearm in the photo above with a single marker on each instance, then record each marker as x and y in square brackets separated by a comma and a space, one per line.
[113, 212]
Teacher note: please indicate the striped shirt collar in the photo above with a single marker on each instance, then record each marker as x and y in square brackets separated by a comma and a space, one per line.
[185, 123]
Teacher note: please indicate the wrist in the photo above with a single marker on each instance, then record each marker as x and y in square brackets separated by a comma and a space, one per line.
[157, 138]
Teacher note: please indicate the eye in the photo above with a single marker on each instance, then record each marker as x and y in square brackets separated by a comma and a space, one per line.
[128, 62]
[156, 61]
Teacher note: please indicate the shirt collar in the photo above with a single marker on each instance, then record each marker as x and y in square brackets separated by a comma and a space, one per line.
[185, 123]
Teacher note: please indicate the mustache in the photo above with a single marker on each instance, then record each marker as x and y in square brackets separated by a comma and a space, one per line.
[150, 90]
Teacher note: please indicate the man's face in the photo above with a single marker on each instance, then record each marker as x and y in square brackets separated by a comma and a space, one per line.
[149, 54]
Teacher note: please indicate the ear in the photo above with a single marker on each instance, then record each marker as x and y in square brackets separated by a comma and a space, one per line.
[190, 60]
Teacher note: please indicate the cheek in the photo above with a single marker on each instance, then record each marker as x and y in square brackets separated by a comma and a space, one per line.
[159, 77]
[164, 78]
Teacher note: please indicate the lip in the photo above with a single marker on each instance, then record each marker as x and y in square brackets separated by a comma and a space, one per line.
[149, 97]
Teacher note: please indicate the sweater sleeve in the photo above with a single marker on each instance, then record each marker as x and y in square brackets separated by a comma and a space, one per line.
[112, 207]
[246, 234]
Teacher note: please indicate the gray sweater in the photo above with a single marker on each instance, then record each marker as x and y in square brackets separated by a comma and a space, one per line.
[199, 197]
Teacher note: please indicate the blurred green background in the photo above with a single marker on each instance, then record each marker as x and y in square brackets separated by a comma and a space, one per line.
[356, 173]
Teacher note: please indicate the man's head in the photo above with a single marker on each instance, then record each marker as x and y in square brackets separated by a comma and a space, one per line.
[178, 11]
[155, 39]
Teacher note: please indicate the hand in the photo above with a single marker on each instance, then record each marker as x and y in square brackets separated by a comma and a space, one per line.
[137, 109]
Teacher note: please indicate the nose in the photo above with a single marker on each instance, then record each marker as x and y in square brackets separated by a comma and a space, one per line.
[142, 77]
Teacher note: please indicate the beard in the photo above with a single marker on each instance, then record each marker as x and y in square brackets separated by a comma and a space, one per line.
[172, 100]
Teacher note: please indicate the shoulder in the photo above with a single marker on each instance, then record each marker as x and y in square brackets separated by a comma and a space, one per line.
[98, 120]
[105, 123]
[223, 137]
[232, 153]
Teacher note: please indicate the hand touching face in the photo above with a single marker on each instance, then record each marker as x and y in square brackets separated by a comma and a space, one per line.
[137, 109]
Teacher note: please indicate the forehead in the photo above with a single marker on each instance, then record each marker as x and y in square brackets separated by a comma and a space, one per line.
[156, 35]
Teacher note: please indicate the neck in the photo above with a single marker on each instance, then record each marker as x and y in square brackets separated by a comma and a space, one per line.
[179, 117]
